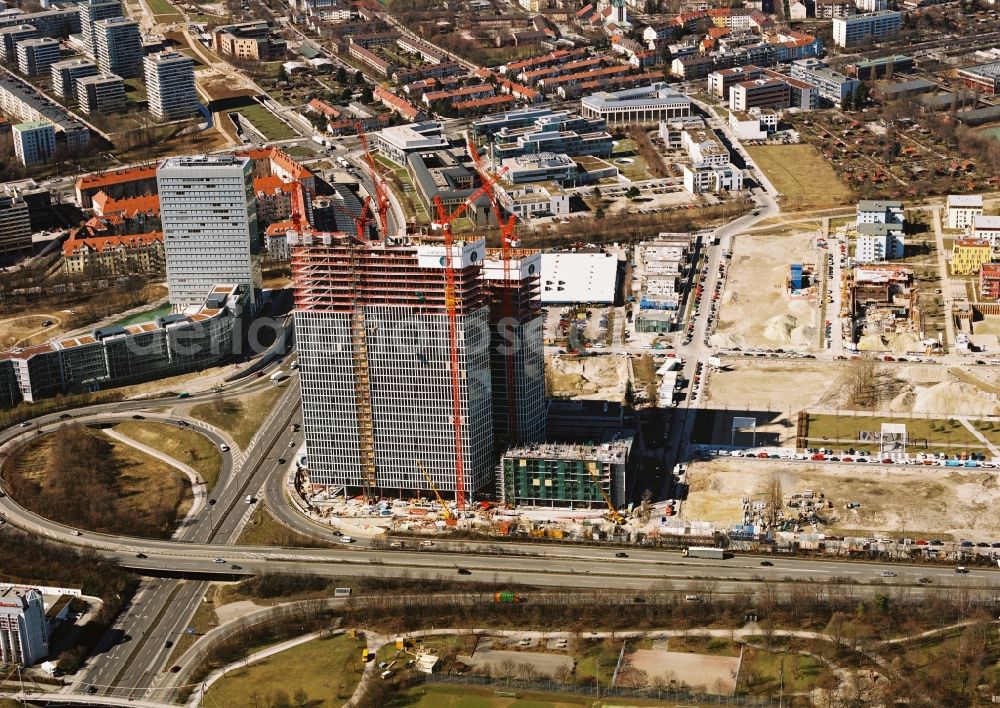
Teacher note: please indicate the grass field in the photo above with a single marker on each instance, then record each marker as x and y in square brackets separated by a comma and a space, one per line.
[15, 329]
[323, 671]
[454, 696]
[144, 483]
[267, 123]
[846, 429]
[799, 172]
[162, 7]
[185, 446]
[240, 417]
[798, 674]
[264, 530]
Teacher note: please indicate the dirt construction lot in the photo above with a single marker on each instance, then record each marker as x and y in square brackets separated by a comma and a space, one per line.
[756, 310]
[926, 502]
[709, 673]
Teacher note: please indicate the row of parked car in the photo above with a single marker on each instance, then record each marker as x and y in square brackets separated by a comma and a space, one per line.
[863, 457]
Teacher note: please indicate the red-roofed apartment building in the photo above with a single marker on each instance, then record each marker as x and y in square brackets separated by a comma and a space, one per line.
[113, 255]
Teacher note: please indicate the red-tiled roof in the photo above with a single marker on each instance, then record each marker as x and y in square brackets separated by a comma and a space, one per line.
[484, 102]
[104, 243]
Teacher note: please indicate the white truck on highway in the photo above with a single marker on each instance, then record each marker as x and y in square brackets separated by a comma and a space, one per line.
[704, 552]
[279, 376]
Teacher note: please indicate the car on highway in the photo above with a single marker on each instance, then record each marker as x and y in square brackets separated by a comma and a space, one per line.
[251, 499]
[169, 643]
[141, 555]
[427, 544]
[621, 554]
[138, 417]
[65, 416]
[224, 447]
[219, 560]
[92, 690]
[887, 574]
[281, 460]
[76, 533]
[767, 564]
[396, 544]
[236, 567]
[174, 669]
[26, 424]
[346, 539]
[464, 571]
[961, 569]
[924, 581]
[291, 443]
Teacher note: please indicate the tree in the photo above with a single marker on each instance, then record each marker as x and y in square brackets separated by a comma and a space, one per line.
[282, 73]
[341, 75]
[775, 500]
[599, 213]
[632, 192]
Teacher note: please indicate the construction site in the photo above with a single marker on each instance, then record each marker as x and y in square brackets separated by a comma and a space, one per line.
[421, 361]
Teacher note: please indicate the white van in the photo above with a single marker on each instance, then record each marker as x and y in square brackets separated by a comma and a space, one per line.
[346, 539]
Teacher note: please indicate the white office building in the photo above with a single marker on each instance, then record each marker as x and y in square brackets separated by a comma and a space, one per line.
[208, 212]
[533, 201]
[853, 30]
[119, 47]
[375, 366]
[170, 86]
[24, 638]
[962, 209]
[646, 104]
[34, 142]
[704, 177]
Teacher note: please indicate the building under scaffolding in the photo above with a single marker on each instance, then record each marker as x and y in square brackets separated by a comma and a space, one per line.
[884, 299]
[375, 352]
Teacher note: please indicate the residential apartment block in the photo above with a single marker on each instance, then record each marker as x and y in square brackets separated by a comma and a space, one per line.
[170, 85]
[24, 636]
[249, 41]
[851, 31]
[209, 217]
[9, 38]
[113, 255]
[20, 100]
[833, 86]
[34, 142]
[104, 93]
[969, 254]
[119, 47]
[66, 73]
[875, 243]
[92, 11]
[989, 281]
[15, 225]
[35, 56]
[961, 210]
[987, 227]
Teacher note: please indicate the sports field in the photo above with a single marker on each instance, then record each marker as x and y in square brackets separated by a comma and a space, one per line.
[801, 175]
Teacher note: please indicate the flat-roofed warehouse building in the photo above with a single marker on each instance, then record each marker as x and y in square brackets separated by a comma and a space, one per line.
[646, 104]
[984, 77]
[579, 277]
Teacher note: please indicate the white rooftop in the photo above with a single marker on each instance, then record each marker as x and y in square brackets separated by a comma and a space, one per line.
[986, 221]
[579, 277]
[965, 200]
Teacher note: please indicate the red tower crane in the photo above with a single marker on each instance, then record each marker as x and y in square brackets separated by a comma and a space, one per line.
[508, 241]
[380, 198]
[443, 223]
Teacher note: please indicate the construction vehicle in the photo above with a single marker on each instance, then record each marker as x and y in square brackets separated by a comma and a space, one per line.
[508, 598]
[612, 514]
[444, 507]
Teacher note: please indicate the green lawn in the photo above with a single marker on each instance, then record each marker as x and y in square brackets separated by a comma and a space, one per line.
[768, 670]
[846, 428]
[240, 417]
[144, 316]
[186, 446]
[135, 90]
[267, 123]
[325, 671]
[162, 7]
[264, 530]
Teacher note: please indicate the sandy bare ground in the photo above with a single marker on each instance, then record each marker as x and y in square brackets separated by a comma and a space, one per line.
[707, 672]
[919, 501]
[590, 377]
[789, 386]
[755, 309]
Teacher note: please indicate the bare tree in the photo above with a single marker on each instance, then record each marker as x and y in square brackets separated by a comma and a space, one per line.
[863, 388]
[775, 500]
